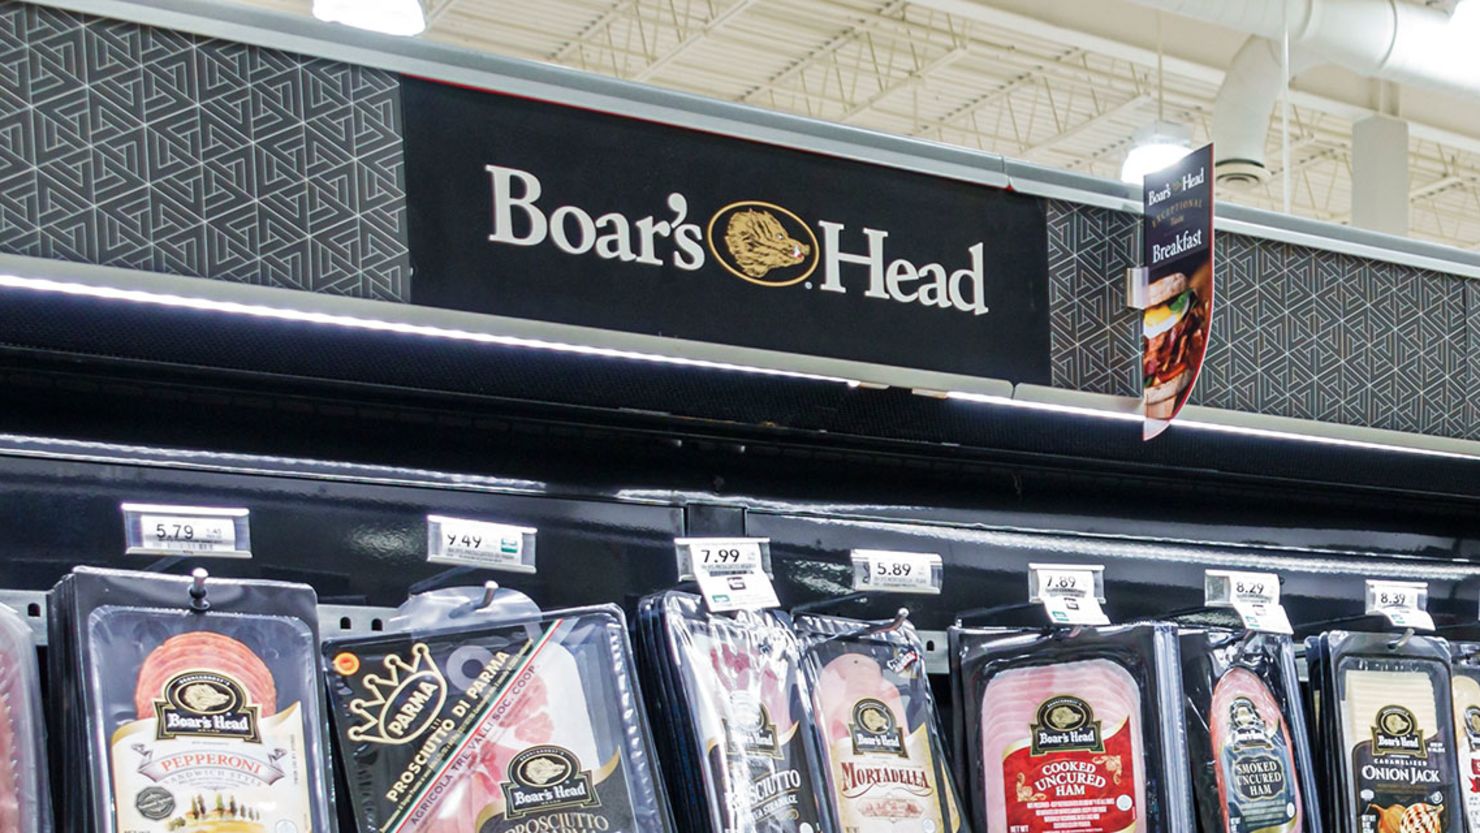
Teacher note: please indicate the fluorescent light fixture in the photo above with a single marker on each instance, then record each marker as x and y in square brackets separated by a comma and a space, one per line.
[1155, 146]
[139, 296]
[391, 17]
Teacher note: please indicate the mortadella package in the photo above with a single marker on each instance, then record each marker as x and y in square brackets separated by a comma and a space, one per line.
[732, 712]
[1073, 730]
[474, 717]
[197, 704]
[1250, 752]
[876, 729]
[1387, 724]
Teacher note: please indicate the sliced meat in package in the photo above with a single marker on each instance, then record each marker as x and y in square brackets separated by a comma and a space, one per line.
[1252, 768]
[193, 711]
[876, 729]
[1467, 727]
[732, 715]
[1073, 730]
[1387, 723]
[25, 804]
[472, 718]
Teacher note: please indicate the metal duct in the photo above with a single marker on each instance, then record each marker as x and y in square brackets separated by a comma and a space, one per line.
[1245, 103]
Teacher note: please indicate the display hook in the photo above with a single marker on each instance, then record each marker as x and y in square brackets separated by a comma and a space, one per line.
[198, 602]
[1402, 640]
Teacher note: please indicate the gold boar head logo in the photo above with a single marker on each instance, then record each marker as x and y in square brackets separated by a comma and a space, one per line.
[763, 243]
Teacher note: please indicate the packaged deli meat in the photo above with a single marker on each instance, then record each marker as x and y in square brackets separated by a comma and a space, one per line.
[200, 702]
[1076, 730]
[1386, 708]
[1467, 728]
[25, 805]
[875, 728]
[732, 713]
[1247, 739]
[467, 717]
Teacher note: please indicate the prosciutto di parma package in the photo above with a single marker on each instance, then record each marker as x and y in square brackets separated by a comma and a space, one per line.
[1386, 709]
[472, 718]
[732, 714]
[1247, 740]
[1074, 731]
[876, 729]
[25, 805]
[1467, 728]
[200, 712]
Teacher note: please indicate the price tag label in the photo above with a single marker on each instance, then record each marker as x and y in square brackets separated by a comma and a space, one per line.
[896, 572]
[732, 572]
[1070, 593]
[481, 544]
[153, 529]
[1403, 603]
[1255, 597]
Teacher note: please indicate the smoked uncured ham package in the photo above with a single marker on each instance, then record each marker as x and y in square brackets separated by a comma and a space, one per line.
[1247, 740]
[1387, 729]
[1467, 727]
[876, 729]
[1074, 731]
[499, 718]
[730, 710]
[191, 713]
[24, 802]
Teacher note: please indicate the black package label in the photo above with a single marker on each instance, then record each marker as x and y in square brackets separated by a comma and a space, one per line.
[1399, 747]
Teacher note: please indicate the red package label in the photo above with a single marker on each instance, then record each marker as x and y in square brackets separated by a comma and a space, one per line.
[1078, 791]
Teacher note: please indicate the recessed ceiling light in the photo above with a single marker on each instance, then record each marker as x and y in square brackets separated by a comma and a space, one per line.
[391, 17]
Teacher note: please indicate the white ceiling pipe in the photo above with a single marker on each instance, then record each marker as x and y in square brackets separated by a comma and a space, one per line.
[1244, 106]
[1389, 39]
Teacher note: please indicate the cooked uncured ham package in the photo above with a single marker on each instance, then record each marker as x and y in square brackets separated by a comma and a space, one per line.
[501, 721]
[1467, 729]
[1074, 731]
[1247, 739]
[1388, 729]
[876, 729]
[200, 714]
[24, 801]
[731, 713]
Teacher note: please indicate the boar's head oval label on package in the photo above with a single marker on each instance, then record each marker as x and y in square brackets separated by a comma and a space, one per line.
[205, 704]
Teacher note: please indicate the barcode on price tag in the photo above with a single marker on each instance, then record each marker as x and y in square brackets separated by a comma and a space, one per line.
[1070, 593]
[896, 572]
[1403, 603]
[482, 544]
[160, 530]
[733, 573]
[1255, 597]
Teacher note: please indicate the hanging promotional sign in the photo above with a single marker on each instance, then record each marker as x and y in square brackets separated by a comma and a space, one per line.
[550, 213]
[1177, 248]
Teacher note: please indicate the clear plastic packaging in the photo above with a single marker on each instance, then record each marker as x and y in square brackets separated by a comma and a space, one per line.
[477, 717]
[1074, 730]
[875, 728]
[25, 804]
[1387, 719]
[1247, 740]
[1467, 727]
[731, 711]
[200, 703]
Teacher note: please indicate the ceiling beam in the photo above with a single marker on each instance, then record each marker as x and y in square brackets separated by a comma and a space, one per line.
[1123, 109]
[690, 40]
[915, 76]
[816, 56]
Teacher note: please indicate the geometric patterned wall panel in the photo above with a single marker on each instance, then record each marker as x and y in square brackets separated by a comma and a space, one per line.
[1296, 331]
[152, 149]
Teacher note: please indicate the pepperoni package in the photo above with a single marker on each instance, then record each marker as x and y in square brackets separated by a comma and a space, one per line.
[25, 805]
[1073, 731]
[1251, 761]
[199, 707]
[876, 729]
[495, 718]
[730, 709]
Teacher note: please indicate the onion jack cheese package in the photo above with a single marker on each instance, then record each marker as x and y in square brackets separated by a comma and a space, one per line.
[495, 719]
[1467, 728]
[1247, 739]
[1074, 731]
[200, 704]
[876, 729]
[25, 805]
[730, 708]
[1387, 727]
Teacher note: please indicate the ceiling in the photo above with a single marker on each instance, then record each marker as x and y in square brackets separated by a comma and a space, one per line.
[1063, 83]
